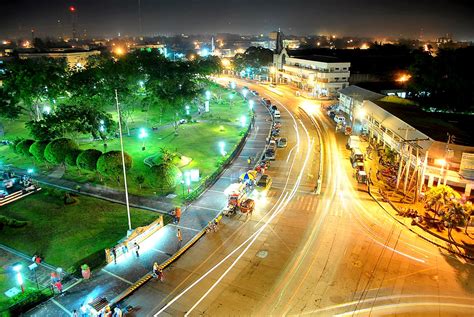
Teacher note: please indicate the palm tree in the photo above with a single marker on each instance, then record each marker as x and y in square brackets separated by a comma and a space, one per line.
[454, 217]
[440, 198]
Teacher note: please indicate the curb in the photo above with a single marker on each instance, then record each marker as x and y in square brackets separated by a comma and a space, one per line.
[163, 265]
[419, 235]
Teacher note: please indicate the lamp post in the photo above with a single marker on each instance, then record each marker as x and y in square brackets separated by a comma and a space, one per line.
[143, 134]
[123, 163]
[222, 148]
[245, 92]
[19, 278]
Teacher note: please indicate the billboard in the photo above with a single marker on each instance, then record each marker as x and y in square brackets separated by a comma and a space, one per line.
[466, 170]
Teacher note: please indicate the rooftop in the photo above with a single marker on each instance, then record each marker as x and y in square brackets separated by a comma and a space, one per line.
[360, 94]
[310, 56]
[436, 125]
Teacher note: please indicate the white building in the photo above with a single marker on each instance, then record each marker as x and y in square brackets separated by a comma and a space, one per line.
[421, 140]
[74, 58]
[318, 76]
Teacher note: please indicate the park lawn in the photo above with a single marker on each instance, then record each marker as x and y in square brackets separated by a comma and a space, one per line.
[198, 141]
[63, 234]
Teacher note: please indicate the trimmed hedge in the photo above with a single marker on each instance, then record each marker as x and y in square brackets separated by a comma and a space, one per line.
[87, 160]
[37, 150]
[71, 157]
[57, 150]
[23, 147]
[165, 177]
[109, 164]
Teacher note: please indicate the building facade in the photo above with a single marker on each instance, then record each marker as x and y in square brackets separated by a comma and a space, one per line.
[317, 76]
[424, 142]
[74, 58]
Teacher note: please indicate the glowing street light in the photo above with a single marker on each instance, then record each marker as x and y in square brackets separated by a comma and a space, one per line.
[403, 78]
[143, 134]
[19, 278]
[141, 83]
[361, 114]
[232, 85]
[243, 121]
[102, 126]
[30, 171]
[222, 148]
[251, 103]
[47, 109]
[245, 91]
[187, 110]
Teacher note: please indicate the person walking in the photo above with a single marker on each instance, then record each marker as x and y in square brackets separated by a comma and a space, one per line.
[180, 238]
[178, 215]
[137, 248]
[124, 249]
[114, 254]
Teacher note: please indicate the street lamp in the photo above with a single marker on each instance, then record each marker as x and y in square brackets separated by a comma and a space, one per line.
[19, 278]
[187, 110]
[102, 126]
[141, 83]
[30, 171]
[222, 146]
[251, 103]
[245, 92]
[143, 134]
[243, 121]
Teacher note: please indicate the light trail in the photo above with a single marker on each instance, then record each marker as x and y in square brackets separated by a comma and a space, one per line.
[280, 206]
[277, 212]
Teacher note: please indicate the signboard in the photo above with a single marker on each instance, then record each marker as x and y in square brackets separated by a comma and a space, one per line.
[466, 170]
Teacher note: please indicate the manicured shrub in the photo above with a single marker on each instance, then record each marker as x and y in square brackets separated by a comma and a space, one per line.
[165, 176]
[57, 150]
[71, 157]
[37, 150]
[110, 163]
[87, 160]
[23, 147]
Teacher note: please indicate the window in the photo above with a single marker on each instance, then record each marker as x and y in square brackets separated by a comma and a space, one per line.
[337, 68]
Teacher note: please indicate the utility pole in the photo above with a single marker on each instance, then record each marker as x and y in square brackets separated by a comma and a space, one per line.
[123, 163]
[451, 139]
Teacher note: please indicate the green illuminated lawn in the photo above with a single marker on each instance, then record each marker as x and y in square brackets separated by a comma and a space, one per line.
[67, 234]
[198, 141]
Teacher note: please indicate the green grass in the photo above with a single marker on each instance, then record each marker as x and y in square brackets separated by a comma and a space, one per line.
[198, 141]
[67, 234]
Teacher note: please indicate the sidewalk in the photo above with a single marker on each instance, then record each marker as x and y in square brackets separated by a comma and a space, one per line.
[114, 279]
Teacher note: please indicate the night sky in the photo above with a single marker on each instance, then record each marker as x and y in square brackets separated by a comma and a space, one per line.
[374, 18]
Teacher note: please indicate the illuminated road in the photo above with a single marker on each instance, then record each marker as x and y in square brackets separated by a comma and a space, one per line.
[301, 253]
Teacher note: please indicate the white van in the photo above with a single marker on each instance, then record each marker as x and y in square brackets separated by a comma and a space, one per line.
[352, 142]
[277, 114]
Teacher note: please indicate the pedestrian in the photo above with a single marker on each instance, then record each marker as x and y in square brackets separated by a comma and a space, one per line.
[177, 214]
[155, 270]
[180, 237]
[114, 254]
[74, 313]
[160, 274]
[137, 248]
[59, 286]
[124, 249]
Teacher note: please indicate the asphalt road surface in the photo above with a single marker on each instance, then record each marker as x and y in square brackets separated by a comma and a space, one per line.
[336, 253]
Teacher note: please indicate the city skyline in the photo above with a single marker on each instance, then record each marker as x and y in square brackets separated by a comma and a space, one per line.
[382, 19]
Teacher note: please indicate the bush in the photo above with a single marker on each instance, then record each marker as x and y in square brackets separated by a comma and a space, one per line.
[23, 147]
[27, 300]
[71, 157]
[165, 176]
[57, 150]
[10, 222]
[88, 159]
[37, 150]
[110, 164]
[14, 143]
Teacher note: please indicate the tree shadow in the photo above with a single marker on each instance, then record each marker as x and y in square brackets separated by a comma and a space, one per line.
[464, 271]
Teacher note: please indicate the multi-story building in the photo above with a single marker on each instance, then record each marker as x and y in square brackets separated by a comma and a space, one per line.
[437, 146]
[74, 57]
[317, 76]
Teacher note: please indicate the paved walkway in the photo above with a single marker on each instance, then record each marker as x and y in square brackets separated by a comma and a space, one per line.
[114, 279]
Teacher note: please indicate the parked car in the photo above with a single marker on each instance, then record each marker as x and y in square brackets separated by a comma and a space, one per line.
[264, 183]
[270, 154]
[277, 114]
[352, 142]
[338, 118]
[282, 142]
[272, 145]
